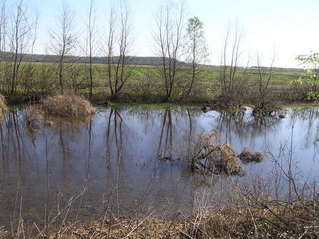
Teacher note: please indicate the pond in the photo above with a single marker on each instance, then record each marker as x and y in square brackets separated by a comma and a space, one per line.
[111, 162]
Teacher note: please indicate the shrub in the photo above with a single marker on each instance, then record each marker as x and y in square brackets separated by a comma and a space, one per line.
[308, 83]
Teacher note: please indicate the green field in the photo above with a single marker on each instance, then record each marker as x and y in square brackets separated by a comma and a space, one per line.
[144, 84]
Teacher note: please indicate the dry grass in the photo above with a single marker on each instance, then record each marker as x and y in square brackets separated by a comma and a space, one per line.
[67, 106]
[33, 116]
[3, 233]
[3, 105]
[247, 156]
[215, 157]
[58, 110]
[128, 228]
[256, 221]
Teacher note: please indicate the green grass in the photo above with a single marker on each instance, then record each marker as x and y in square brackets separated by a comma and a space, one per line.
[301, 105]
[160, 106]
[41, 78]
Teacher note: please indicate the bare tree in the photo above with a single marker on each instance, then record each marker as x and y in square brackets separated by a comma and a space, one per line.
[21, 28]
[168, 41]
[230, 80]
[261, 95]
[3, 25]
[63, 41]
[118, 31]
[35, 33]
[90, 42]
[3, 38]
[264, 80]
[196, 48]
[110, 49]
[28, 71]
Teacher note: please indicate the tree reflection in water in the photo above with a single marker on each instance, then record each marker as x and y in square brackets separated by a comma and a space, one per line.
[109, 165]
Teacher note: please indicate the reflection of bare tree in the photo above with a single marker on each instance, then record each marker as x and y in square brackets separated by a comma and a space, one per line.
[227, 121]
[114, 136]
[243, 124]
[290, 173]
[62, 143]
[190, 131]
[17, 134]
[66, 157]
[316, 146]
[166, 138]
[47, 199]
[2, 143]
[15, 140]
[11, 138]
[89, 150]
[114, 132]
[310, 116]
[88, 167]
[263, 123]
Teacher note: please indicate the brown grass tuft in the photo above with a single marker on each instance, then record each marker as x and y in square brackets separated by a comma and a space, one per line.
[247, 156]
[3, 105]
[3, 233]
[67, 106]
[33, 116]
[216, 157]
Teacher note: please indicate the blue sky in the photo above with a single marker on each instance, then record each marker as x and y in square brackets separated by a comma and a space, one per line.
[280, 28]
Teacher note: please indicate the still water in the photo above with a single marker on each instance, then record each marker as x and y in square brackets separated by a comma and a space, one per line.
[111, 162]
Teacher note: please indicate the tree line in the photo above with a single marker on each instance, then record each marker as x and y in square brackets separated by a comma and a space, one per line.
[176, 37]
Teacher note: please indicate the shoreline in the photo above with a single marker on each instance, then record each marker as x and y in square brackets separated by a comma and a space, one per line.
[103, 100]
[260, 219]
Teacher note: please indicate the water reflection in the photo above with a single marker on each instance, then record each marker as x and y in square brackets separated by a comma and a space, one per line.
[111, 163]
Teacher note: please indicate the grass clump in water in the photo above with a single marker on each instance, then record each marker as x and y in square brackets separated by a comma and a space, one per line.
[215, 157]
[67, 106]
[3, 105]
[247, 156]
[33, 116]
